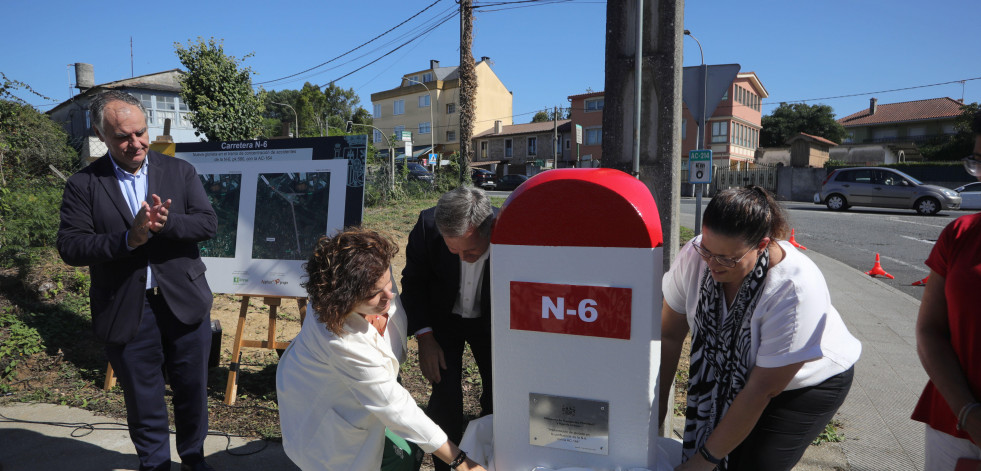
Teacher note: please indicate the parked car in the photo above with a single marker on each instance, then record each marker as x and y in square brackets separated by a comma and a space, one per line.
[510, 182]
[416, 172]
[883, 187]
[483, 178]
[970, 195]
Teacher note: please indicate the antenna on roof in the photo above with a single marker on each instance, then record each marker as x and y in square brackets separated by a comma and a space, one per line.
[131, 74]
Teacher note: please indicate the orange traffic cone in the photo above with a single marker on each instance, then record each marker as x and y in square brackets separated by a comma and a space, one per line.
[921, 282]
[877, 270]
[793, 241]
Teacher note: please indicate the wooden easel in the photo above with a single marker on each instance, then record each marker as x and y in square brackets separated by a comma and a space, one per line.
[270, 343]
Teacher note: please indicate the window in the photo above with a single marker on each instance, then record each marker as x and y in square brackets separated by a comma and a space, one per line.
[532, 146]
[424, 101]
[483, 150]
[684, 129]
[425, 127]
[427, 77]
[398, 132]
[725, 96]
[594, 104]
[594, 136]
[451, 136]
[508, 148]
[720, 131]
[378, 135]
[166, 103]
[567, 143]
[450, 108]
[398, 107]
[377, 112]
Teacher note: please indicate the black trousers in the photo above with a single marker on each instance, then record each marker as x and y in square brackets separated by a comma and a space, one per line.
[446, 401]
[164, 342]
[789, 424]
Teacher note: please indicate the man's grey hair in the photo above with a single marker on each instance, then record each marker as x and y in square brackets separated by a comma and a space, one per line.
[98, 106]
[462, 210]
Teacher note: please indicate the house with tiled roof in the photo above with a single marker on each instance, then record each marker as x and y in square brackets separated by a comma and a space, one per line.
[732, 132]
[425, 104]
[521, 146]
[898, 128]
[159, 92]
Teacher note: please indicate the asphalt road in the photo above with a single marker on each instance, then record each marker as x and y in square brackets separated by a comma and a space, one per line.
[902, 238]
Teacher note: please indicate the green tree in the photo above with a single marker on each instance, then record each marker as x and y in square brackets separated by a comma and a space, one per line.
[219, 93]
[320, 113]
[789, 119]
[946, 148]
[540, 117]
[552, 115]
[29, 140]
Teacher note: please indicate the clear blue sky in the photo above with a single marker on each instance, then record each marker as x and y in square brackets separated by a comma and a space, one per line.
[542, 51]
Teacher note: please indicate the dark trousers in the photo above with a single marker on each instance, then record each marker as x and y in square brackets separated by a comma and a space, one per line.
[446, 402]
[163, 342]
[789, 424]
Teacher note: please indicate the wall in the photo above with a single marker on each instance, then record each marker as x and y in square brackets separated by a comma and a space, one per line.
[799, 184]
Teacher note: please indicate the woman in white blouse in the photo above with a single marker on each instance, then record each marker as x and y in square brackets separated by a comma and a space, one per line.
[340, 403]
[771, 359]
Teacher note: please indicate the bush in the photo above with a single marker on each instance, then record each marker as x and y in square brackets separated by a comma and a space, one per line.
[29, 217]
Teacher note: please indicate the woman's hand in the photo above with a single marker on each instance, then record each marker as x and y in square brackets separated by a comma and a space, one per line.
[696, 463]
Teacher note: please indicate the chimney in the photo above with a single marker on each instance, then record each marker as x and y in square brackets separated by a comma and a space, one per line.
[433, 64]
[84, 76]
[484, 59]
[873, 104]
[498, 127]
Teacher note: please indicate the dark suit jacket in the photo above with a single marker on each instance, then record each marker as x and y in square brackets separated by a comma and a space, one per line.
[94, 221]
[431, 278]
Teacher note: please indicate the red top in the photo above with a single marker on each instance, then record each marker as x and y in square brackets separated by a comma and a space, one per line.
[580, 207]
[957, 257]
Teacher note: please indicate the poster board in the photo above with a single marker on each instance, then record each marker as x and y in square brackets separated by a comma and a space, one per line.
[274, 199]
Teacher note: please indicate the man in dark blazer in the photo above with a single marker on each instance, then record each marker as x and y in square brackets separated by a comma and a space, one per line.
[446, 296]
[135, 218]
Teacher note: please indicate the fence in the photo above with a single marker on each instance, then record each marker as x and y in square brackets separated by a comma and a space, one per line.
[724, 177]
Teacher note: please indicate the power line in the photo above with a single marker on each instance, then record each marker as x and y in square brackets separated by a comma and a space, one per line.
[355, 49]
[870, 93]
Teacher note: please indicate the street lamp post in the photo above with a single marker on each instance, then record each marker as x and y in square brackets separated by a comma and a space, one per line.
[391, 151]
[432, 124]
[296, 118]
[700, 139]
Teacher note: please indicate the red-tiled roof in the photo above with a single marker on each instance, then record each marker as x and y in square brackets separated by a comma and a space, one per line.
[530, 128]
[587, 95]
[935, 108]
[812, 137]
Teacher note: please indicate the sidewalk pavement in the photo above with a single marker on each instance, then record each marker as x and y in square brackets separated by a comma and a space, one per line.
[875, 417]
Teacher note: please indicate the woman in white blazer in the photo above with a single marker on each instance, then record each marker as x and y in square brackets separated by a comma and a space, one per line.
[337, 383]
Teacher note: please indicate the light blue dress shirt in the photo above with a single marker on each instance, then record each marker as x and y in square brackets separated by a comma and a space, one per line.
[134, 188]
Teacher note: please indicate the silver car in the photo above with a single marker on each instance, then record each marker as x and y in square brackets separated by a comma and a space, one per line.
[883, 187]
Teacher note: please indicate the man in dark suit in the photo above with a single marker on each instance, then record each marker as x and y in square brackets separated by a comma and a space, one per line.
[135, 218]
[446, 295]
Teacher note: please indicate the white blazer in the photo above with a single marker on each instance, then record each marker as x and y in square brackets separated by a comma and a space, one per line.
[337, 394]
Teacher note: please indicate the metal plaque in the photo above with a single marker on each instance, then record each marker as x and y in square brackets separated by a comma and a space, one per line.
[569, 423]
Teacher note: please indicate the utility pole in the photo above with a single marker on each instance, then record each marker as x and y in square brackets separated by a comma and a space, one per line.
[658, 140]
[642, 109]
[555, 138]
[468, 88]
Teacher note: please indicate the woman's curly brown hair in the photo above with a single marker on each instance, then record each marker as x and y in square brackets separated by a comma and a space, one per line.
[343, 271]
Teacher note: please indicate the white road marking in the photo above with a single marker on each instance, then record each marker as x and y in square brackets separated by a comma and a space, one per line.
[930, 242]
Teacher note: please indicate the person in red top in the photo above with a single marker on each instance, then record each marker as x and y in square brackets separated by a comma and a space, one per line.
[948, 338]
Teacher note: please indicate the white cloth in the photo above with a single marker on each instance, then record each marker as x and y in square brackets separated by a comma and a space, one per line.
[793, 322]
[942, 451]
[467, 303]
[337, 394]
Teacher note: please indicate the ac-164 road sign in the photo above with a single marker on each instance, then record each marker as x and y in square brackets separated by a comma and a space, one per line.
[700, 166]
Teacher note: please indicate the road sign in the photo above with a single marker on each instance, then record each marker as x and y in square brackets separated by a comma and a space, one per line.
[578, 134]
[700, 166]
[406, 135]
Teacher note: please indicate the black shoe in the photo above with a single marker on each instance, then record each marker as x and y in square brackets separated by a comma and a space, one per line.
[199, 466]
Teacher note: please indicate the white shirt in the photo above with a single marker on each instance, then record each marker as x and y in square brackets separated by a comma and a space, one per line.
[794, 320]
[338, 393]
[467, 303]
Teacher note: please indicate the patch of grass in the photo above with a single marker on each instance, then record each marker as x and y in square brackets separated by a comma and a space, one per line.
[832, 433]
